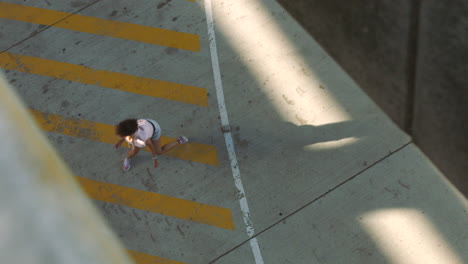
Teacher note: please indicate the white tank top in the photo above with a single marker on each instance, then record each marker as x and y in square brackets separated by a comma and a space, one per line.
[144, 132]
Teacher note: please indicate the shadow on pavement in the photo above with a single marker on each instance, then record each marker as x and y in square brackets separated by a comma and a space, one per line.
[286, 174]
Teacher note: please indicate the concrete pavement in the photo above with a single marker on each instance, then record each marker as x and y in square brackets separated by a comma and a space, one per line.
[327, 176]
[409, 56]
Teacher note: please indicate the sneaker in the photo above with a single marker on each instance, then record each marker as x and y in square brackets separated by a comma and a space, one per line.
[126, 164]
[182, 140]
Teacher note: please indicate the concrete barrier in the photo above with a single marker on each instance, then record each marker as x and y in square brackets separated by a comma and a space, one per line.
[44, 216]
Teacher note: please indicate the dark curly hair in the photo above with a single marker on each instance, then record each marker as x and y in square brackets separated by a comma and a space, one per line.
[126, 127]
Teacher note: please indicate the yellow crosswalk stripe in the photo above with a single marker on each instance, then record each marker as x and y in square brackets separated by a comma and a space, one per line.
[141, 258]
[119, 81]
[157, 36]
[94, 131]
[158, 203]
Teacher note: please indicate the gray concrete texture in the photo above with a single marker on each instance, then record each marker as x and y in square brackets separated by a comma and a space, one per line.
[315, 153]
[355, 223]
[410, 58]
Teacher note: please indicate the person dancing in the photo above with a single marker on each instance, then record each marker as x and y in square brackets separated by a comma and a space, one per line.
[140, 133]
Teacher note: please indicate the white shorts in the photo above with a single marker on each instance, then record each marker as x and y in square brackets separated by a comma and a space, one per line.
[157, 130]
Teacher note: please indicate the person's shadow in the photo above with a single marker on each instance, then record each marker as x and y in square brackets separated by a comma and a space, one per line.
[296, 139]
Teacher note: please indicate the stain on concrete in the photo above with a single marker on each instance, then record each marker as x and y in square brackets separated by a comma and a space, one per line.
[45, 89]
[136, 215]
[150, 182]
[240, 142]
[114, 13]
[364, 251]
[65, 104]
[174, 18]
[77, 3]
[395, 193]
[406, 186]
[171, 51]
[180, 231]
[300, 91]
[105, 209]
[287, 100]
[306, 72]
[163, 4]
[59, 140]
[121, 209]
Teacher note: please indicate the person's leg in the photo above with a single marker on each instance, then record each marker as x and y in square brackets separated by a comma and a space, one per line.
[156, 139]
[132, 152]
[126, 162]
[163, 149]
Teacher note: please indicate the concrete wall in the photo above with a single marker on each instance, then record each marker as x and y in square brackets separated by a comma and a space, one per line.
[411, 58]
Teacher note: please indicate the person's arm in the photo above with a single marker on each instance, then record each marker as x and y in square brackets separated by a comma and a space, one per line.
[117, 145]
[150, 144]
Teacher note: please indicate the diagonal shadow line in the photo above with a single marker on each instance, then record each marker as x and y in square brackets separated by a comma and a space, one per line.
[311, 202]
[49, 26]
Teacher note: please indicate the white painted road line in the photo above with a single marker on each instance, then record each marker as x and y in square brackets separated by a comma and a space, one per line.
[228, 136]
